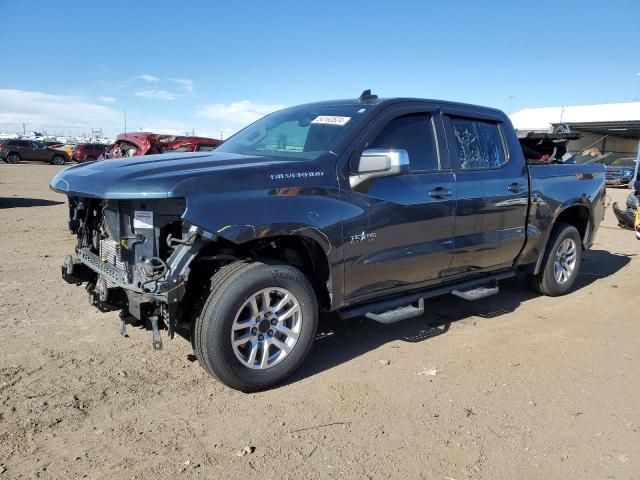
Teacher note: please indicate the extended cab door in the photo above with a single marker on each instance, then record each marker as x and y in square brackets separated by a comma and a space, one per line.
[402, 230]
[493, 193]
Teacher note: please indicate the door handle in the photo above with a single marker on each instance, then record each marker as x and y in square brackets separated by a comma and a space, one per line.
[440, 193]
[515, 187]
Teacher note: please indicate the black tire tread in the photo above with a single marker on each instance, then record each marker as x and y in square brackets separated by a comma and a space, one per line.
[217, 281]
[539, 282]
[220, 293]
[6, 159]
[53, 159]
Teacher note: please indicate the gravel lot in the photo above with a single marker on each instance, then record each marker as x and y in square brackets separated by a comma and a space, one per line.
[516, 386]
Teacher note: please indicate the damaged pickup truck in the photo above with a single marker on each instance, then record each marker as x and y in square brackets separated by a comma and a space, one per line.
[359, 207]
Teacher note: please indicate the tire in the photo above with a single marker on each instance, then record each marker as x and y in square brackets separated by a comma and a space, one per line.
[58, 160]
[13, 158]
[89, 158]
[564, 244]
[242, 366]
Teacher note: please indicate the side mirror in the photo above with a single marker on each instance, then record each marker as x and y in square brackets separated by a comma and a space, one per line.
[380, 162]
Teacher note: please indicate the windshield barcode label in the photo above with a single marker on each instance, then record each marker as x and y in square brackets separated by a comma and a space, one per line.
[331, 120]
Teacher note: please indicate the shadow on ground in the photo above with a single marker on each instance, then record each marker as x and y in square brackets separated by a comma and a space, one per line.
[339, 341]
[600, 264]
[17, 202]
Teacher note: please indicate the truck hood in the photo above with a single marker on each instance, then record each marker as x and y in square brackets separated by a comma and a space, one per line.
[157, 176]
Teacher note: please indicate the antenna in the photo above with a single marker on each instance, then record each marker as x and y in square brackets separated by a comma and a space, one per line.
[366, 95]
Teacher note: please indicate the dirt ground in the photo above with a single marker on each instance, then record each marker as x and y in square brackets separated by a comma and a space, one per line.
[516, 386]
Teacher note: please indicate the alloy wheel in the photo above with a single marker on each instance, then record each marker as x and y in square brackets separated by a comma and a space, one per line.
[266, 328]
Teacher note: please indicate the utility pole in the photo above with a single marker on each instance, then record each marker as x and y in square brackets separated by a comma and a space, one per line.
[24, 129]
[510, 103]
[125, 120]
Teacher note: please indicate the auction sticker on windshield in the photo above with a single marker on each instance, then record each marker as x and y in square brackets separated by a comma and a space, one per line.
[142, 219]
[331, 120]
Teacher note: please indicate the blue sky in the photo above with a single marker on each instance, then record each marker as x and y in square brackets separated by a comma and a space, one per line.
[215, 66]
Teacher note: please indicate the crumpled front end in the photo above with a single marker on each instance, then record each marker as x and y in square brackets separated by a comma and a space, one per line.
[133, 256]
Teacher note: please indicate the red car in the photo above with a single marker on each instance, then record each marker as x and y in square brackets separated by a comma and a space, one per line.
[88, 152]
[188, 144]
[137, 144]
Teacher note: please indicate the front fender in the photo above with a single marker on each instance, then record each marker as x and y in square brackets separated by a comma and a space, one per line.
[240, 217]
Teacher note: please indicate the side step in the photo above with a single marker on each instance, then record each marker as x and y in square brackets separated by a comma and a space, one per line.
[402, 300]
[478, 292]
[398, 314]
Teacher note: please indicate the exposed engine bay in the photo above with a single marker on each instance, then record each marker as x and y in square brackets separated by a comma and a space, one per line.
[133, 255]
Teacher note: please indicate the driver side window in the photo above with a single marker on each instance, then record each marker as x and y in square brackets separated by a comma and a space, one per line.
[415, 134]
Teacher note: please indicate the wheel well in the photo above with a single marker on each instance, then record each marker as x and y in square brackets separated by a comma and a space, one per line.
[578, 216]
[303, 253]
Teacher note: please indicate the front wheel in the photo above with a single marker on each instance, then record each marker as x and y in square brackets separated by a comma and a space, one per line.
[257, 325]
[58, 160]
[561, 262]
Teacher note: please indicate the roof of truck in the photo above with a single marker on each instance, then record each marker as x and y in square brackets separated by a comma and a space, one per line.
[391, 100]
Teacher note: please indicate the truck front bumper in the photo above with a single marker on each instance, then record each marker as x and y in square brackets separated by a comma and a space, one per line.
[108, 291]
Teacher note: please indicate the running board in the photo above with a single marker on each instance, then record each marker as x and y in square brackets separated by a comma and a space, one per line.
[400, 301]
[398, 314]
[477, 293]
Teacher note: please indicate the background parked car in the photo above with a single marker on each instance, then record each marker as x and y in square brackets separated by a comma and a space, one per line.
[188, 144]
[88, 152]
[133, 145]
[14, 151]
[66, 148]
[137, 144]
[620, 171]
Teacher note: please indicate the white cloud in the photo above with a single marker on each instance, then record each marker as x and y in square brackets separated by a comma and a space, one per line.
[148, 78]
[107, 99]
[186, 83]
[39, 110]
[160, 94]
[237, 113]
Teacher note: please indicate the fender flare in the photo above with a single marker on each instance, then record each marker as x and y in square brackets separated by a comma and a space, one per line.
[239, 234]
[556, 216]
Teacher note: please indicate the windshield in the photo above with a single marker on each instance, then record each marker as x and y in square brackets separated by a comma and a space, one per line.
[308, 131]
[624, 162]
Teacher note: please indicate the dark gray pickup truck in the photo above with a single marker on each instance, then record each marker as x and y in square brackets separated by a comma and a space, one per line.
[360, 207]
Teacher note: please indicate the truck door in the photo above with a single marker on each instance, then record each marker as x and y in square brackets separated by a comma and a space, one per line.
[402, 231]
[493, 194]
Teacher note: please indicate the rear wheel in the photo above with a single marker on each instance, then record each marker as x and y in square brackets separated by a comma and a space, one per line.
[561, 262]
[257, 325]
[58, 160]
[13, 158]
[89, 158]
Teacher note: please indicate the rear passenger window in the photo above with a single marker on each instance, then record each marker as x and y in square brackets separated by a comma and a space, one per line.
[415, 134]
[479, 144]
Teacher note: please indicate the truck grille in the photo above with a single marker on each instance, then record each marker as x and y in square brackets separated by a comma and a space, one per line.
[110, 253]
